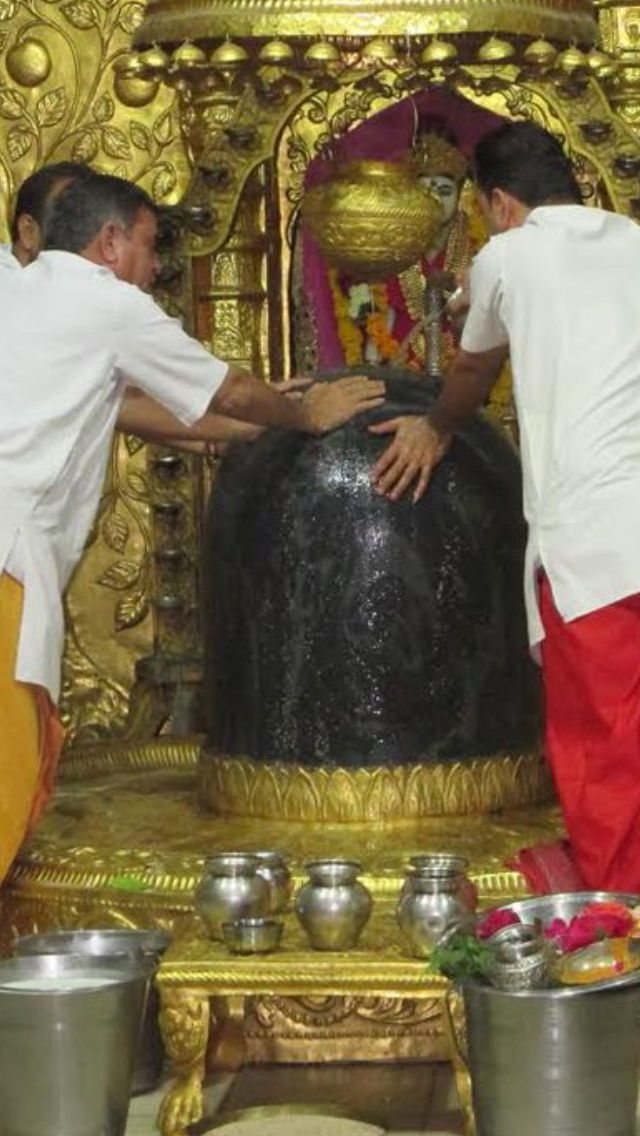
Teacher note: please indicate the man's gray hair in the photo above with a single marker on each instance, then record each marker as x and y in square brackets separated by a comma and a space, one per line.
[84, 206]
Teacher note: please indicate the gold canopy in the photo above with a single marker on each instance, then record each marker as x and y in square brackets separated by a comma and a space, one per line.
[171, 21]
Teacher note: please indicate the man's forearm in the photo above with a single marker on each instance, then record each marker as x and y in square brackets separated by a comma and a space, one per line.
[467, 386]
[249, 399]
[141, 415]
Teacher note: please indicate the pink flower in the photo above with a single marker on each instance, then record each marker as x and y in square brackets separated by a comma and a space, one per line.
[495, 921]
[555, 929]
[596, 921]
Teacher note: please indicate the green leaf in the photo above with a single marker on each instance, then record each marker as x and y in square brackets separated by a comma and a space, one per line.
[462, 957]
[128, 883]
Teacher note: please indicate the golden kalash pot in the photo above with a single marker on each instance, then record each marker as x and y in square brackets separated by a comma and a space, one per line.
[372, 219]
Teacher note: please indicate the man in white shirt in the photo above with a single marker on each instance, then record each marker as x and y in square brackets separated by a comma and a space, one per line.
[138, 414]
[559, 287]
[76, 327]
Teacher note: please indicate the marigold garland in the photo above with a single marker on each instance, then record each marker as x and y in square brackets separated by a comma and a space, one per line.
[349, 334]
[377, 324]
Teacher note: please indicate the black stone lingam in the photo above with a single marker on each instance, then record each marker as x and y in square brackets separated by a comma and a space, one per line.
[344, 629]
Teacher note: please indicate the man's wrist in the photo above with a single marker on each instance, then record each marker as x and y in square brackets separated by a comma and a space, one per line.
[441, 424]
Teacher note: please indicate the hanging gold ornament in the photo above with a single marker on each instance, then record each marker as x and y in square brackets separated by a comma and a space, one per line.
[372, 219]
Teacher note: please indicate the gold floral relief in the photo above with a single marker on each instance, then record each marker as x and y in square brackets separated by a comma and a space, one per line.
[62, 97]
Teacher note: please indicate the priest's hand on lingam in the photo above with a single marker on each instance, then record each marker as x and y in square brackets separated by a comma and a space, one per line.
[328, 405]
[411, 457]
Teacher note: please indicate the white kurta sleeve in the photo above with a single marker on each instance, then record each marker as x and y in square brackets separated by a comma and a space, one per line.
[484, 328]
[157, 355]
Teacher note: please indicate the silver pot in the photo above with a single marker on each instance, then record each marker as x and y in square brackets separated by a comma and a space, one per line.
[273, 868]
[442, 862]
[333, 906]
[433, 903]
[231, 889]
[128, 943]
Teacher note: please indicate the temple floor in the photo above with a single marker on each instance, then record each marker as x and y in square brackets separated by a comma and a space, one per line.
[399, 1100]
[411, 1099]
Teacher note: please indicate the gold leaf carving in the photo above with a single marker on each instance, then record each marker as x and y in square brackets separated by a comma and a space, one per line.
[163, 182]
[19, 139]
[81, 13]
[104, 108]
[7, 9]
[163, 128]
[4, 39]
[131, 610]
[140, 135]
[138, 485]
[115, 532]
[12, 104]
[115, 143]
[51, 108]
[85, 147]
[130, 17]
[120, 575]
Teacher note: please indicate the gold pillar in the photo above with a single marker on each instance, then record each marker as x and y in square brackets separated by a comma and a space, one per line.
[230, 288]
[620, 30]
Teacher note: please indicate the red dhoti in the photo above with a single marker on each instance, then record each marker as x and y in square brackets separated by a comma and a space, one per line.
[591, 672]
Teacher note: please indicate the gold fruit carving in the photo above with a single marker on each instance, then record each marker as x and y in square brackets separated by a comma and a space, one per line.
[29, 62]
[134, 91]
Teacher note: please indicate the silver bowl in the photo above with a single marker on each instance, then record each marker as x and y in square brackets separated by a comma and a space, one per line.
[252, 936]
[563, 905]
[526, 974]
[439, 862]
[517, 941]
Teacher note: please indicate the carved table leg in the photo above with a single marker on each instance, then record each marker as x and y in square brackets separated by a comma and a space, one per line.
[228, 1046]
[184, 1023]
[456, 1028]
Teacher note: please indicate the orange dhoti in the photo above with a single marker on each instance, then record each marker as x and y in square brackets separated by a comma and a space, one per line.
[30, 736]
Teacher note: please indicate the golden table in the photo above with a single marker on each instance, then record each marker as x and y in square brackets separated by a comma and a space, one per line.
[204, 991]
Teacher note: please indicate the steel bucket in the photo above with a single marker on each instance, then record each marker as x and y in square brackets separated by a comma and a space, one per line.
[128, 942]
[69, 1027]
[557, 1062]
